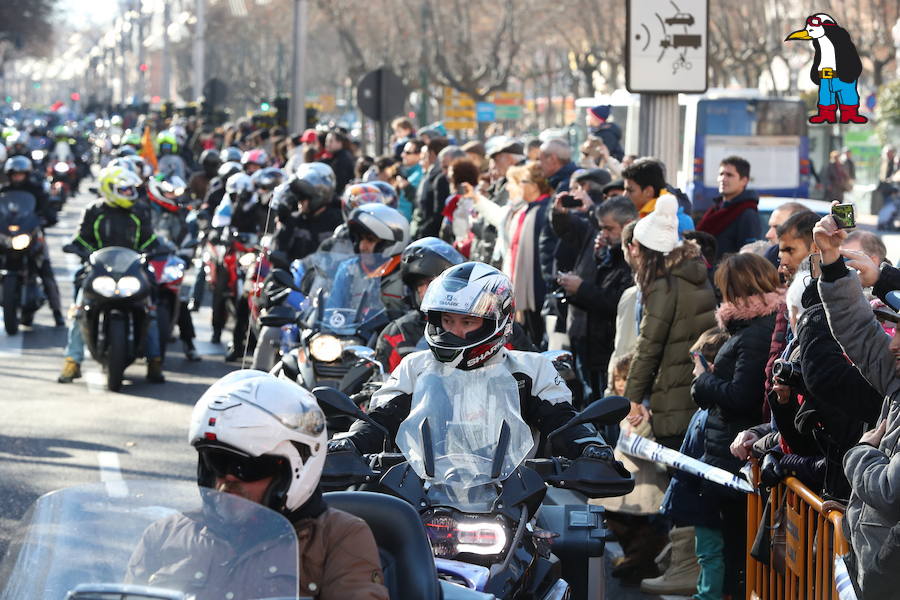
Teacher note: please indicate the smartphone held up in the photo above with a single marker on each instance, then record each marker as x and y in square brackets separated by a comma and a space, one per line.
[844, 215]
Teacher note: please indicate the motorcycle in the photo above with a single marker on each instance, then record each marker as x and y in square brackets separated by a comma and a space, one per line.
[225, 271]
[116, 309]
[465, 466]
[62, 178]
[273, 314]
[343, 308]
[168, 270]
[22, 244]
[105, 540]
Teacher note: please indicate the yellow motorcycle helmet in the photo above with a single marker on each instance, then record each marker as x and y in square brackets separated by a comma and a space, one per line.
[119, 186]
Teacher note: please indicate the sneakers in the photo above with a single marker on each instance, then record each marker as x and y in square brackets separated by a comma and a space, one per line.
[155, 371]
[190, 352]
[71, 370]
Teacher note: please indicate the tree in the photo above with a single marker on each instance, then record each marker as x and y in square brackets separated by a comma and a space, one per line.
[25, 27]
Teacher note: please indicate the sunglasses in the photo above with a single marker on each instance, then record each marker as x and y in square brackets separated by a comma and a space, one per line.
[245, 468]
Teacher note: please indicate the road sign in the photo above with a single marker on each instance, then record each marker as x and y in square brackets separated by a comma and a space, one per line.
[509, 105]
[381, 95]
[666, 46]
[485, 112]
[459, 110]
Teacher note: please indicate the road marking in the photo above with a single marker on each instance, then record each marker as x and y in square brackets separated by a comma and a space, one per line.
[111, 474]
[95, 380]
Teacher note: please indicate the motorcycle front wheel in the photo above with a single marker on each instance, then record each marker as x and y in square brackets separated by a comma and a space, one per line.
[11, 304]
[116, 353]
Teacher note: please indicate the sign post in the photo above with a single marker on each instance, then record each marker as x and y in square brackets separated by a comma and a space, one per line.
[666, 49]
[381, 95]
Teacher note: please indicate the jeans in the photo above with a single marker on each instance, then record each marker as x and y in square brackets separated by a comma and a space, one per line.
[709, 547]
[834, 91]
[75, 343]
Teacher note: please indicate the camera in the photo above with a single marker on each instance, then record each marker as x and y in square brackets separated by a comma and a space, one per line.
[569, 201]
[788, 373]
[844, 215]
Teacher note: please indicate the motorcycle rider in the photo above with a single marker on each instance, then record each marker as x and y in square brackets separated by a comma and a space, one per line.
[169, 162]
[169, 223]
[19, 174]
[379, 234]
[470, 313]
[263, 439]
[306, 215]
[216, 189]
[117, 219]
[254, 160]
[198, 184]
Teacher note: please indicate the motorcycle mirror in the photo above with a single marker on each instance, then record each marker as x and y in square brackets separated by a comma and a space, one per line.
[338, 401]
[280, 260]
[604, 411]
[284, 279]
[360, 352]
[558, 356]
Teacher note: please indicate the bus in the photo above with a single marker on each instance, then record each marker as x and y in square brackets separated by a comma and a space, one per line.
[770, 133]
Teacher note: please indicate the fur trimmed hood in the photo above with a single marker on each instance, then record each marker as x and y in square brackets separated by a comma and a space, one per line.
[749, 308]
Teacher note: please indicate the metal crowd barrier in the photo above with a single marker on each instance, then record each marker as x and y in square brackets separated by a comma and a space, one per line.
[813, 537]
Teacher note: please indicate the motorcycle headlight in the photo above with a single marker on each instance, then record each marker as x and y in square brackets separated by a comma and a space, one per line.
[326, 348]
[21, 241]
[104, 285]
[129, 285]
[450, 536]
[61, 168]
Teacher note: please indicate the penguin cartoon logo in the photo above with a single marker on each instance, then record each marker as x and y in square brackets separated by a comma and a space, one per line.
[835, 69]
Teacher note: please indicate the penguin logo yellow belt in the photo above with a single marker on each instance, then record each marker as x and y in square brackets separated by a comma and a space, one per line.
[827, 73]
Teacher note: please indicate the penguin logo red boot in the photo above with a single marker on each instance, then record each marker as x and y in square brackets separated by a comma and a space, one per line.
[835, 69]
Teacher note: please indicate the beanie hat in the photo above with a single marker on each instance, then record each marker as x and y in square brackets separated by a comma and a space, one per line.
[601, 111]
[659, 230]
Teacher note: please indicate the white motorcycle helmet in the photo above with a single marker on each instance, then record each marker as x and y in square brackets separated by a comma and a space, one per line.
[470, 289]
[253, 425]
[385, 223]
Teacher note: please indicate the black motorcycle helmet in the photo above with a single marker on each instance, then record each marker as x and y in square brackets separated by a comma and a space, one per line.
[210, 161]
[314, 181]
[17, 164]
[425, 259]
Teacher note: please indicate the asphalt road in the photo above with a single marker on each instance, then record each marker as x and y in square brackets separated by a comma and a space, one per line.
[56, 435]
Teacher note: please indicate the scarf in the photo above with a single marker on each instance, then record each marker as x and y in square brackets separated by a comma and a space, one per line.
[521, 249]
[719, 216]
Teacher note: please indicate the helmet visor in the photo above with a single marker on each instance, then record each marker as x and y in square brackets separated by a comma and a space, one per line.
[126, 191]
[223, 462]
[460, 296]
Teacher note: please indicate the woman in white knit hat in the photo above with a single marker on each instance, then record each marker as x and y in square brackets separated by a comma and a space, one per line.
[677, 304]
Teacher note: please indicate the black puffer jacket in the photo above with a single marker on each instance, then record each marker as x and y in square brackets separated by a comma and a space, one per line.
[733, 392]
[592, 309]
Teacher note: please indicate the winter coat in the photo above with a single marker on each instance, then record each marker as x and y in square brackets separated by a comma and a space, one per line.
[732, 391]
[743, 229]
[874, 473]
[427, 217]
[337, 555]
[592, 309]
[687, 501]
[841, 404]
[672, 320]
[343, 165]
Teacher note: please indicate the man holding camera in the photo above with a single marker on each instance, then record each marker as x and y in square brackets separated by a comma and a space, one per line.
[872, 466]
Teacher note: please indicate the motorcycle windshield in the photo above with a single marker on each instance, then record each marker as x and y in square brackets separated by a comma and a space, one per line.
[17, 207]
[163, 535]
[455, 422]
[345, 294]
[115, 259]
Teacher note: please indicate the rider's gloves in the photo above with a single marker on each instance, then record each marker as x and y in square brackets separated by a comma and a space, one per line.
[597, 451]
[340, 445]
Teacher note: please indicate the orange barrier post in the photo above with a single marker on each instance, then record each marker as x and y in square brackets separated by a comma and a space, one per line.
[813, 537]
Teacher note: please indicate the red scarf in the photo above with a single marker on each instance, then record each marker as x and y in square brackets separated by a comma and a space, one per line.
[719, 216]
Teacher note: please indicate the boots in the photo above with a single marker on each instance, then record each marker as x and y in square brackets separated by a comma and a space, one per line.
[850, 114]
[71, 370]
[155, 371]
[827, 114]
[681, 577]
[640, 542]
[58, 318]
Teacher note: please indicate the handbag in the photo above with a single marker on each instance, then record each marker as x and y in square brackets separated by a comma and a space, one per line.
[769, 546]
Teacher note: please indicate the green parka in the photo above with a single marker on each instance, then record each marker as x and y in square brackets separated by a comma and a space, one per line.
[672, 320]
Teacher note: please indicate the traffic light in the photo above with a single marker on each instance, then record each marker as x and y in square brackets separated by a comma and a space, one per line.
[282, 111]
[265, 106]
